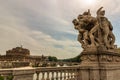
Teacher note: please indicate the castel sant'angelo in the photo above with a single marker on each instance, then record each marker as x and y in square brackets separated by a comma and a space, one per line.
[20, 54]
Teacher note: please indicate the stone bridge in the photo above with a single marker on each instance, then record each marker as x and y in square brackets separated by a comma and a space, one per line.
[100, 66]
[51, 63]
[54, 64]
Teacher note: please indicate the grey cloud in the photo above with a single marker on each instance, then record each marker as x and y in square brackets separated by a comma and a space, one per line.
[20, 19]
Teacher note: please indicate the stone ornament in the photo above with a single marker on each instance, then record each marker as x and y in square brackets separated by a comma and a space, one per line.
[94, 31]
[102, 58]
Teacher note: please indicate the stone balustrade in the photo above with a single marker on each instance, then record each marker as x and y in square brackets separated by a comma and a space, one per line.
[57, 73]
[5, 73]
[42, 73]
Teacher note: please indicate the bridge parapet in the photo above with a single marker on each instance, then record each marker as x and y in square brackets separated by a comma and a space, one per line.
[17, 73]
[42, 73]
[58, 73]
[5, 73]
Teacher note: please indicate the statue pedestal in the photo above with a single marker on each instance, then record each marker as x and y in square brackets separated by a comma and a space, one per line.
[100, 65]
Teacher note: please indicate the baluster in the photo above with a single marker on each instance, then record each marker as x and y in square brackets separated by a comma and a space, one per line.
[56, 75]
[60, 75]
[43, 76]
[75, 76]
[68, 75]
[48, 76]
[64, 75]
[78, 74]
[52, 78]
[37, 76]
[71, 73]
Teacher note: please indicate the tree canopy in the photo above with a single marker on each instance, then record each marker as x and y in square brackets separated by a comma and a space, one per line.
[52, 58]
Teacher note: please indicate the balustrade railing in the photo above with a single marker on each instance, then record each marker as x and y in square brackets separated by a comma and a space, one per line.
[57, 73]
[5, 74]
[42, 73]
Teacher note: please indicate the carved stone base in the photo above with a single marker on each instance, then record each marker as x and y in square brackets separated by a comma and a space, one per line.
[100, 57]
[100, 65]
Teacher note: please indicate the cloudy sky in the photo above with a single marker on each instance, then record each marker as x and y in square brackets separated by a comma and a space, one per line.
[45, 26]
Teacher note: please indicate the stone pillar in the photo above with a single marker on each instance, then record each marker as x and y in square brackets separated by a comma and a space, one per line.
[26, 74]
[100, 65]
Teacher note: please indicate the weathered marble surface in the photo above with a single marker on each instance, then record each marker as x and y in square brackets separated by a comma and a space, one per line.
[94, 31]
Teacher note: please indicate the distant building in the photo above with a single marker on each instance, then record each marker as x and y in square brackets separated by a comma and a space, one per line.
[19, 51]
[20, 54]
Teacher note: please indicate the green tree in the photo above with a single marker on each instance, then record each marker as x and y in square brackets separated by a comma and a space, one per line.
[74, 59]
[52, 58]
